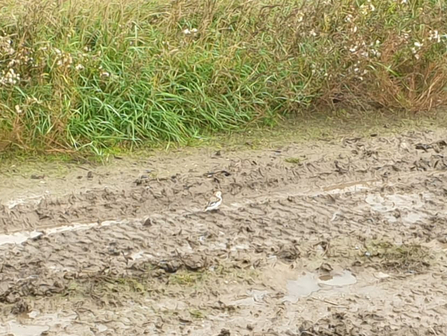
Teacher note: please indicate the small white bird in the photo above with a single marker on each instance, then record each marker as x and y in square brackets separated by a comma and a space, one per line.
[214, 202]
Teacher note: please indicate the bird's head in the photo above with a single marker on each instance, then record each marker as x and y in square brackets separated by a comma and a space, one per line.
[218, 194]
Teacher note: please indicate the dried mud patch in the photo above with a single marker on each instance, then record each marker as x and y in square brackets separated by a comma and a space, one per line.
[339, 324]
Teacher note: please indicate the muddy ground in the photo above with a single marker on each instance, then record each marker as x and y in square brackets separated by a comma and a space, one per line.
[341, 237]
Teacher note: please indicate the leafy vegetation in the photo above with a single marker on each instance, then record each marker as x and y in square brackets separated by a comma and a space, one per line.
[93, 74]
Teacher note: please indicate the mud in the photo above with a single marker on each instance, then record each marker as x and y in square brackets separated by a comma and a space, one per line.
[346, 237]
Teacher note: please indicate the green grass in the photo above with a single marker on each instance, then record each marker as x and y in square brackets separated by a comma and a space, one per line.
[405, 257]
[294, 160]
[91, 75]
[321, 126]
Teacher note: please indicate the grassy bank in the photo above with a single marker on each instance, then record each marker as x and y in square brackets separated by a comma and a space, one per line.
[93, 74]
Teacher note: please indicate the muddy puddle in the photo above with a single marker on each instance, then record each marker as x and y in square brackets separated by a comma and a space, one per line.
[410, 207]
[36, 324]
[21, 237]
[350, 241]
[310, 283]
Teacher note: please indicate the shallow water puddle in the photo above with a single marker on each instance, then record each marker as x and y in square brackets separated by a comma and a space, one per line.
[24, 200]
[17, 329]
[254, 296]
[412, 204]
[302, 287]
[350, 187]
[20, 237]
[310, 283]
[37, 325]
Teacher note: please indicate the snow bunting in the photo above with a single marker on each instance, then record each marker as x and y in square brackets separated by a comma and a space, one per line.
[214, 202]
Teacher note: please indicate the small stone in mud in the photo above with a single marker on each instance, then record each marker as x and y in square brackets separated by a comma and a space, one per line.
[306, 328]
[113, 251]
[11, 298]
[193, 262]
[289, 253]
[20, 307]
[326, 267]
[224, 332]
[147, 222]
[90, 175]
[424, 147]
[142, 179]
[225, 173]
[250, 327]
[37, 177]
[184, 319]
[170, 266]
[159, 323]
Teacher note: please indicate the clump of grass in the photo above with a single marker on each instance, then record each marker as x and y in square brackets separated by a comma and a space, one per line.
[406, 257]
[94, 74]
[293, 160]
[186, 278]
[197, 314]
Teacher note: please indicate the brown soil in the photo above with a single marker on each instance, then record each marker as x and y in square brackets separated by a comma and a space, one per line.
[322, 238]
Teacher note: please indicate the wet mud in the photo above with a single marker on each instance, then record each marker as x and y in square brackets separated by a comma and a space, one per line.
[347, 237]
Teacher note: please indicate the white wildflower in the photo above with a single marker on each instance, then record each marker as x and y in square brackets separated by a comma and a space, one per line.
[375, 52]
[18, 109]
[434, 35]
[79, 67]
[364, 54]
[11, 77]
[363, 9]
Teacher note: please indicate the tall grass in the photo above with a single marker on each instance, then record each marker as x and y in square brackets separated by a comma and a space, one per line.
[95, 73]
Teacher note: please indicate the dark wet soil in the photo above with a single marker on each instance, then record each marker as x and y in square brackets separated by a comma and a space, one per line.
[347, 237]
